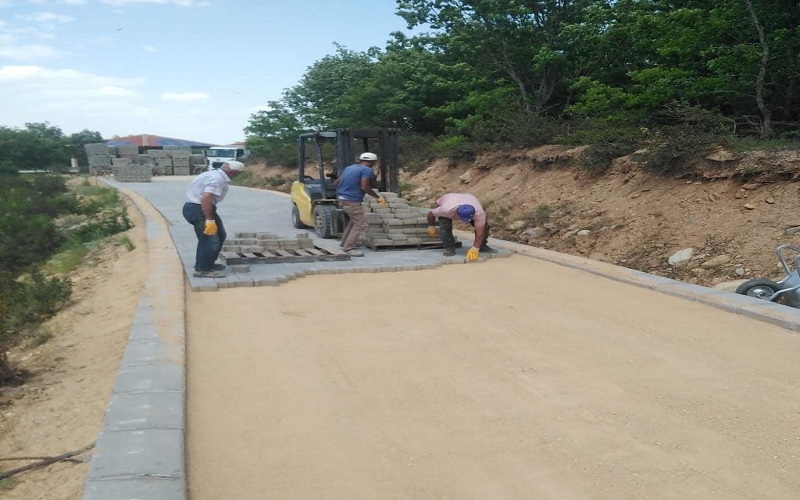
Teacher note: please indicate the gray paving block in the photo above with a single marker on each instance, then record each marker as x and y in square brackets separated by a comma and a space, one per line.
[149, 453]
[154, 488]
[145, 410]
[150, 377]
[143, 332]
[151, 351]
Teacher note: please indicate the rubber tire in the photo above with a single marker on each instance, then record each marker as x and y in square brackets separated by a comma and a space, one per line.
[296, 222]
[323, 220]
[760, 288]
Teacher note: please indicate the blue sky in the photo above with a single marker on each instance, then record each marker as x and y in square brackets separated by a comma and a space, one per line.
[190, 69]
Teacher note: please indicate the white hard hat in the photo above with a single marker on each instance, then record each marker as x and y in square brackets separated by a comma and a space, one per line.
[236, 166]
[368, 156]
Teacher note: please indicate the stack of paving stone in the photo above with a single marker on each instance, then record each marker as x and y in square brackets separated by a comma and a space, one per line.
[144, 159]
[125, 170]
[258, 242]
[162, 161]
[398, 225]
[127, 151]
[117, 163]
[99, 155]
[180, 162]
[197, 163]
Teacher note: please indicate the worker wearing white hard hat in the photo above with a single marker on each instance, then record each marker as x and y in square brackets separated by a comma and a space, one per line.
[352, 185]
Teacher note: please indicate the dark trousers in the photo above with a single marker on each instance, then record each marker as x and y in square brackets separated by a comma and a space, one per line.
[446, 233]
[208, 247]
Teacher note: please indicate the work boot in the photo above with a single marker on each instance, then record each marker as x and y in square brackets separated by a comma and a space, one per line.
[218, 267]
[449, 252]
[487, 249]
[208, 274]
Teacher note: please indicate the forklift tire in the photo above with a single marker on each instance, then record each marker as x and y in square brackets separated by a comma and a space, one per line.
[296, 222]
[760, 288]
[323, 220]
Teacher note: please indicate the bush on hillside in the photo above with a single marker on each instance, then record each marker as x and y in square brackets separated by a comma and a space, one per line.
[24, 304]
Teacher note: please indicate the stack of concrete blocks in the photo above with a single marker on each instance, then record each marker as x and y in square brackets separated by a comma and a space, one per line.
[259, 242]
[180, 159]
[162, 161]
[197, 162]
[399, 224]
[125, 170]
[145, 160]
[117, 163]
[127, 151]
[99, 155]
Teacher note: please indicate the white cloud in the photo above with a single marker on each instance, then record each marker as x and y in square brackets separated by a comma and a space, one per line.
[112, 91]
[179, 3]
[43, 84]
[185, 96]
[149, 48]
[25, 52]
[142, 111]
[49, 17]
[18, 72]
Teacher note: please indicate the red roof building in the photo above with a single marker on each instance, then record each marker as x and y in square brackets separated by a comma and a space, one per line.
[147, 140]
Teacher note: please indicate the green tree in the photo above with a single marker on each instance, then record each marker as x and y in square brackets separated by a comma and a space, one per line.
[272, 133]
[521, 42]
[38, 146]
[78, 140]
[329, 93]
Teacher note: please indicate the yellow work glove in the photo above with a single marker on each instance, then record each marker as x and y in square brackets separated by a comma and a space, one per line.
[382, 201]
[432, 231]
[473, 253]
[211, 228]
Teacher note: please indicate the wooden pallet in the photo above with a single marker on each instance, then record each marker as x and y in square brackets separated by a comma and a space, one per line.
[408, 246]
[283, 256]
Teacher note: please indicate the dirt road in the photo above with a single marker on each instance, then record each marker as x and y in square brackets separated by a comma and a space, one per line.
[510, 379]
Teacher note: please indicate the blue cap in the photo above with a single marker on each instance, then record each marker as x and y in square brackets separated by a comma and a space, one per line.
[465, 212]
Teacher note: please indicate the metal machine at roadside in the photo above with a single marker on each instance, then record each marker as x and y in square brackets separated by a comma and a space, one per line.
[785, 290]
[314, 202]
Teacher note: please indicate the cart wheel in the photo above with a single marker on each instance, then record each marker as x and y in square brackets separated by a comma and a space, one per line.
[760, 288]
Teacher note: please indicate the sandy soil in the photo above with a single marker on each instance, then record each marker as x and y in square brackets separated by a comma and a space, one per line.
[61, 408]
[509, 379]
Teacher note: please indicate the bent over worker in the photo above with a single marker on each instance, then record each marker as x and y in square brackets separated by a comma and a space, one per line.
[203, 195]
[466, 208]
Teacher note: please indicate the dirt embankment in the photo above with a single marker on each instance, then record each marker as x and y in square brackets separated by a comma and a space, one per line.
[732, 212]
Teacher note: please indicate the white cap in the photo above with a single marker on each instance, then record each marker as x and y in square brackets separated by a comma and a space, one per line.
[235, 165]
[368, 156]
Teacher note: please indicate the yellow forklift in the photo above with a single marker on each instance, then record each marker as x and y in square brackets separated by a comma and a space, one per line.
[314, 202]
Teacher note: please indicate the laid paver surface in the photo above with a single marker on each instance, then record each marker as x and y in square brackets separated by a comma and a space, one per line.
[247, 210]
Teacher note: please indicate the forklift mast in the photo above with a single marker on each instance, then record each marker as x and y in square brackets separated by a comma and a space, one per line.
[348, 143]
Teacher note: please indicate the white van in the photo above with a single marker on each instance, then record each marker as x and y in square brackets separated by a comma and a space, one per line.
[217, 155]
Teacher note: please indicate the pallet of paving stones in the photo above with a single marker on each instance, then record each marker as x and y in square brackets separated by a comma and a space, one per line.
[406, 246]
[266, 248]
[283, 256]
[397, 226]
